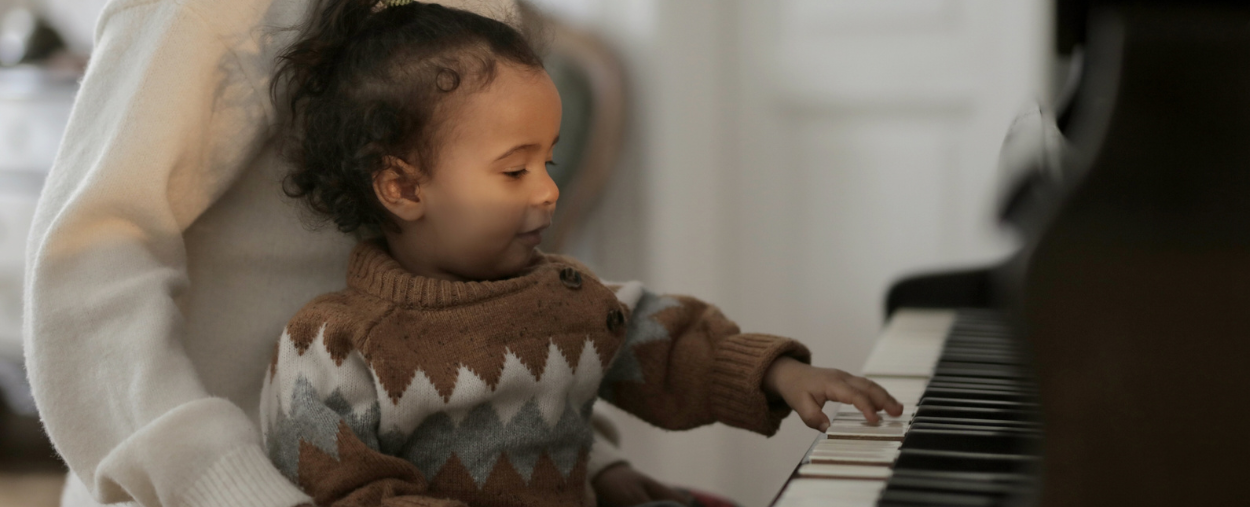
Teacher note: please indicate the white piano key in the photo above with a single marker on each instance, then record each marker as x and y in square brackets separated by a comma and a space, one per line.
[803, 492]
[851, 453]
[922, 320]
[833, 452]
[872, 445]
[878, 459]
[910, 344]
[909, 355]
[906, 390]
[850, 413]
[857, 452]
[819, 470]
[848, 429]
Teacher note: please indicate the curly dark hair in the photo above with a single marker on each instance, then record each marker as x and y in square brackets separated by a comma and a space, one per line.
[364, 83]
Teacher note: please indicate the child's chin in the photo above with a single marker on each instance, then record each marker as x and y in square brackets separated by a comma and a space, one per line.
[516, 264]
[527, 261]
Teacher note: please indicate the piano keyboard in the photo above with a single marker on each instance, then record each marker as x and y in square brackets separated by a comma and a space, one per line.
[968, 435]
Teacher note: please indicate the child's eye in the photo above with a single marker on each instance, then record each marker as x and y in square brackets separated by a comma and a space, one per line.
[552, 163]
[517, 173]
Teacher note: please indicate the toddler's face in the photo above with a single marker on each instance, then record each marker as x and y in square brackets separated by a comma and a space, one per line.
[490, 197]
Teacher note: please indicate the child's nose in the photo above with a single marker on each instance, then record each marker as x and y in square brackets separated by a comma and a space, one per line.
[547, 193]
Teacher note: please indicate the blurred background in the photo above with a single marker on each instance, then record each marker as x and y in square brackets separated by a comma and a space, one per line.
[784, 159]
[788, 159]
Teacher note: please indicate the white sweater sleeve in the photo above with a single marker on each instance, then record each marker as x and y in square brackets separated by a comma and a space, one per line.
[165, 121]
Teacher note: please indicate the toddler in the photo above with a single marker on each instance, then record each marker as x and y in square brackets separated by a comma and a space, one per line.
[460, 364]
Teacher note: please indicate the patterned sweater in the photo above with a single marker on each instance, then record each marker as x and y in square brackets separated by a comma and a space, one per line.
[404, 390]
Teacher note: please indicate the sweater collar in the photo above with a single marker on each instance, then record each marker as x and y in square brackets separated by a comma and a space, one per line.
[372, 270]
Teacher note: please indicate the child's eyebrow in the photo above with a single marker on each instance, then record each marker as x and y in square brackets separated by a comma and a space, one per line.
[523, 147]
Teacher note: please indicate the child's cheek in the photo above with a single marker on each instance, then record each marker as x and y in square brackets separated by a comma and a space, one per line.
[487, 222]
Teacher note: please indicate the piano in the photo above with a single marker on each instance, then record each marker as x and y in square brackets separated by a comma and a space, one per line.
[1108, 361]
[970, 430]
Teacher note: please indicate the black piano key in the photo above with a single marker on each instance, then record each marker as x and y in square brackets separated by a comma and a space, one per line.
[981, 423]
[902, 498]
[964, 402]
[964, 412]
[980, 353]
[978, 337]
[983, 345]
[986, 335]
[974, 348]
[987, 477]
[1000, 488]
[1020, 390]
[959, 461]
[989, 382]
[978, 370]
[1013, 430]
[952, 485]
[976, 394]
[984, 360]
[984, 383]
[967, 440]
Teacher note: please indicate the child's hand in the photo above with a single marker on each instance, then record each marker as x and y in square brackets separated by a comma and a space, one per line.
[622, 486]
[806, 389]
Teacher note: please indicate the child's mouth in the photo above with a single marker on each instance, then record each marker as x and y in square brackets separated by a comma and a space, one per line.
[532, 238]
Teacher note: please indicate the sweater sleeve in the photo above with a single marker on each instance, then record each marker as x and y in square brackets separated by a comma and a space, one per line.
[320, 416]
[164, 121]
[683, 364]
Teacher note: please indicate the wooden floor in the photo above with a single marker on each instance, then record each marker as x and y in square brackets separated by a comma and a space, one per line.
[37, 489]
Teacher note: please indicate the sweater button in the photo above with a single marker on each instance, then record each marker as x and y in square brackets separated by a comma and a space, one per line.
[571, 278]
[616, 320]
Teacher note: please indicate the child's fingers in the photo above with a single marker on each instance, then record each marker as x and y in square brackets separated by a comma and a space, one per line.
[809, 410]
[846, 393]
[881, 399]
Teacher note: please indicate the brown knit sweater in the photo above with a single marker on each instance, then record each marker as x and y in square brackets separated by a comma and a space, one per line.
[408, 391]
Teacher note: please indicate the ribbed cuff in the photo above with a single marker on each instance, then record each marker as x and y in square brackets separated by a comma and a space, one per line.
[244, 478]
[737, 386]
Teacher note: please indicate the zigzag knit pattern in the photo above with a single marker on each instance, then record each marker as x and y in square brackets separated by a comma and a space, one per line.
[523, 416]
[480, 393]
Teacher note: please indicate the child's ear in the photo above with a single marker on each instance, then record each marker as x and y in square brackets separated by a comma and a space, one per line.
[398, 190]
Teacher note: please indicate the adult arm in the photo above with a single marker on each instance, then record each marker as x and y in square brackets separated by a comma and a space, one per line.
[164, 122]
